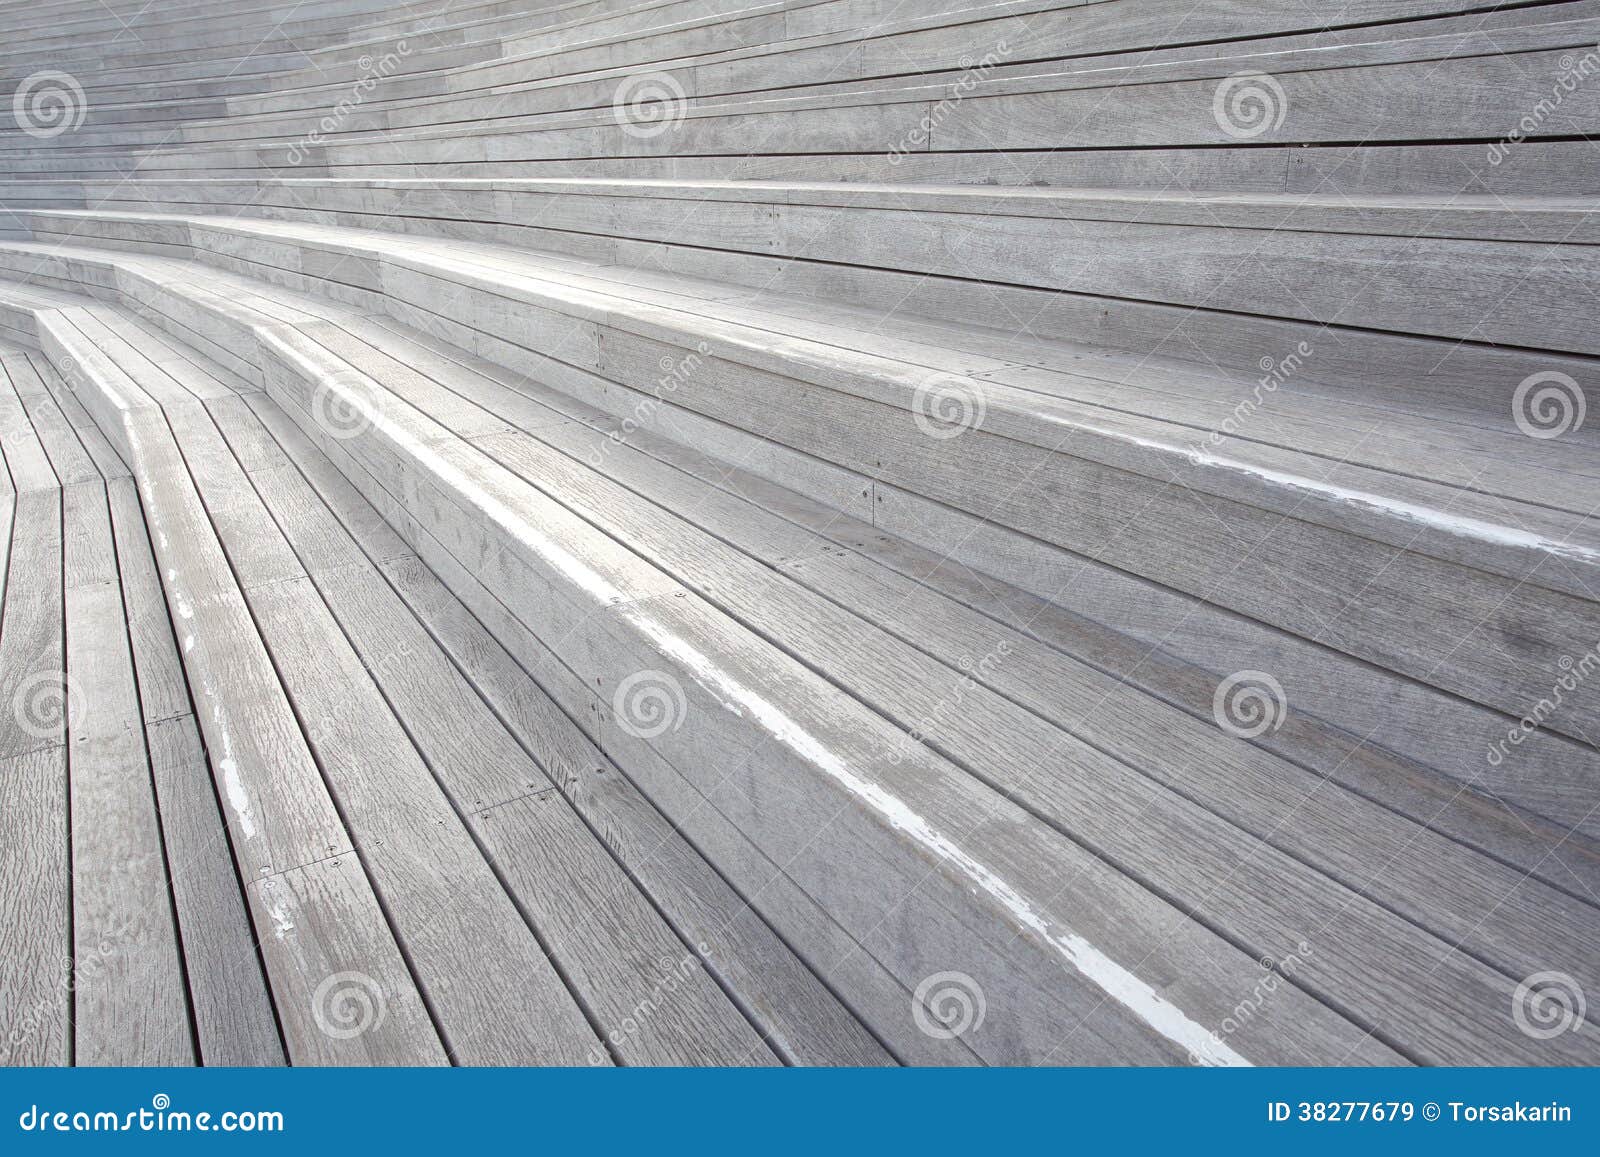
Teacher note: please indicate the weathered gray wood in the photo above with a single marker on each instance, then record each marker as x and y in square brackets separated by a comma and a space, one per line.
[638, 533]
[568, 892]
[497, 996]
[26, 461]
[233, 1014]
[586, 641]
[130, 1000]
[985, 732]
[37, 964]
[281, 820]
[495, 993]
[436, 436]
[1569, 865]
[597, 927]
[846, 208]
[485, 649]
[1144, 733]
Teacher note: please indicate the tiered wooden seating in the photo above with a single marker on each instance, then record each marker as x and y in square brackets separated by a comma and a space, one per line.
[939, 409]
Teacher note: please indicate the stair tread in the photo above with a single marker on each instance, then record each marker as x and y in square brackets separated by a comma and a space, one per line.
[765, 603]
[744, 663]
[1458, 491]
[594, 919]
[727, 531]
[776, 592]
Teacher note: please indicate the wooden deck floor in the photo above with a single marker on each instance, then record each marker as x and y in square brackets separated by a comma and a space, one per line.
[529, 905]
[281, 796]
[682, 531]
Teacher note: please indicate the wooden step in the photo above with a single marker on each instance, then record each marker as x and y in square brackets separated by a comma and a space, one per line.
[427, 463]
[731, 531]
[311, 905]
[805, 745]
[1380, 536]
[729, 988]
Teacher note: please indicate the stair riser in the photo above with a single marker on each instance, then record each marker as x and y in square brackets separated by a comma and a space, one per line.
[714, 749]
[1536, 168]
[654, 629]
[1465, 98]
[298, 885]
[1469, 381]
[570, 82]
[1035, 541]
[1494, 638]
[572, 327]
[1478, 291]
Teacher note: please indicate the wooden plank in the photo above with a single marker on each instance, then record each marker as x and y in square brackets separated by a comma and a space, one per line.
[775, 607]
[25, 458]
[130, 999]
[36, 968]
[36, 950]
[1101, 709]
[799, 1017]
[1047, 771]
[307, 893]
[503, 661]
[163, 691]
[1484, 824]
[489, 980]
[599, 928]
[60, 442]
[497, 997]
[343, 993]
[1086, 507]
[1405, 493]
[233, 1015]
[600, 645]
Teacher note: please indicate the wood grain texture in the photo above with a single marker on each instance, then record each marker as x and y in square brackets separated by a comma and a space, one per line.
[498, 998]
[355, 476]
[726, 754]
[946, 710]
[233, 1015]
[130, 999]
[277, 807]
[873, 994]
[608, 942]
